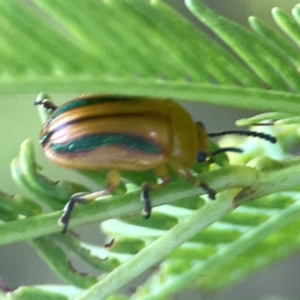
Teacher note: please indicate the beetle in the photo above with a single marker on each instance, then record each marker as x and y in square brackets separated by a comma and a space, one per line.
[115, 133]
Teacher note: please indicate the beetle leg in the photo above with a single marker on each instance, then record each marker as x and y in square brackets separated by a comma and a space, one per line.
[74, 200]
[161, 173]
[190, 177]
[65, 217]
[209, 191]
[113, 180]
[187, 174]
[147, 207]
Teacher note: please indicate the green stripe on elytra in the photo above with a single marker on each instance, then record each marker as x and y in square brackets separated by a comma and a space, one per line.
[91, 142]
[87, 101]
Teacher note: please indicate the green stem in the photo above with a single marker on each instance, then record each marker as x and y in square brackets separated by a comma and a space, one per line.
[122, 205]
[226, 253]
[286, 176]
[248, 98]
[190, 226]
[161, 247]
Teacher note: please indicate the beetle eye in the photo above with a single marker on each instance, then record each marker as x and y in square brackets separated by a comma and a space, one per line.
[201, 156]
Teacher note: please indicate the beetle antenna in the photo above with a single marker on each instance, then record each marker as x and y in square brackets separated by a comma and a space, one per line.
[226, 149]
[260, 135]
[202, 156]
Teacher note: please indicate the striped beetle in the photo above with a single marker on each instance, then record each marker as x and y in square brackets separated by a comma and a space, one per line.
[115, 133]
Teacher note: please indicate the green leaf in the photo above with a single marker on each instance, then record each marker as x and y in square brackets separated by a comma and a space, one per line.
[58, 261]
[63, 51]
[42, 293]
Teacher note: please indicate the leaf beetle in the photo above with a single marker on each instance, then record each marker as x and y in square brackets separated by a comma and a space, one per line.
[115, 133]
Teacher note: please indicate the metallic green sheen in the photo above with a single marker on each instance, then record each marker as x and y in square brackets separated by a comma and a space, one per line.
[80, 102]
[91, 142]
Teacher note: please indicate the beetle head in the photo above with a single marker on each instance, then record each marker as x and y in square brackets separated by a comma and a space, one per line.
[202, 142]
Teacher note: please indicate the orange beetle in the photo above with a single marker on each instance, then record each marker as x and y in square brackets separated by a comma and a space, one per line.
[116, 133]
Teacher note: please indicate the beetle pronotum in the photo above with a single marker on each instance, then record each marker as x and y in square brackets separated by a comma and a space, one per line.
[116, 133]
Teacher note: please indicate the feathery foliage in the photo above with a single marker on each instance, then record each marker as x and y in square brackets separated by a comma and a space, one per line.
[136, 47]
